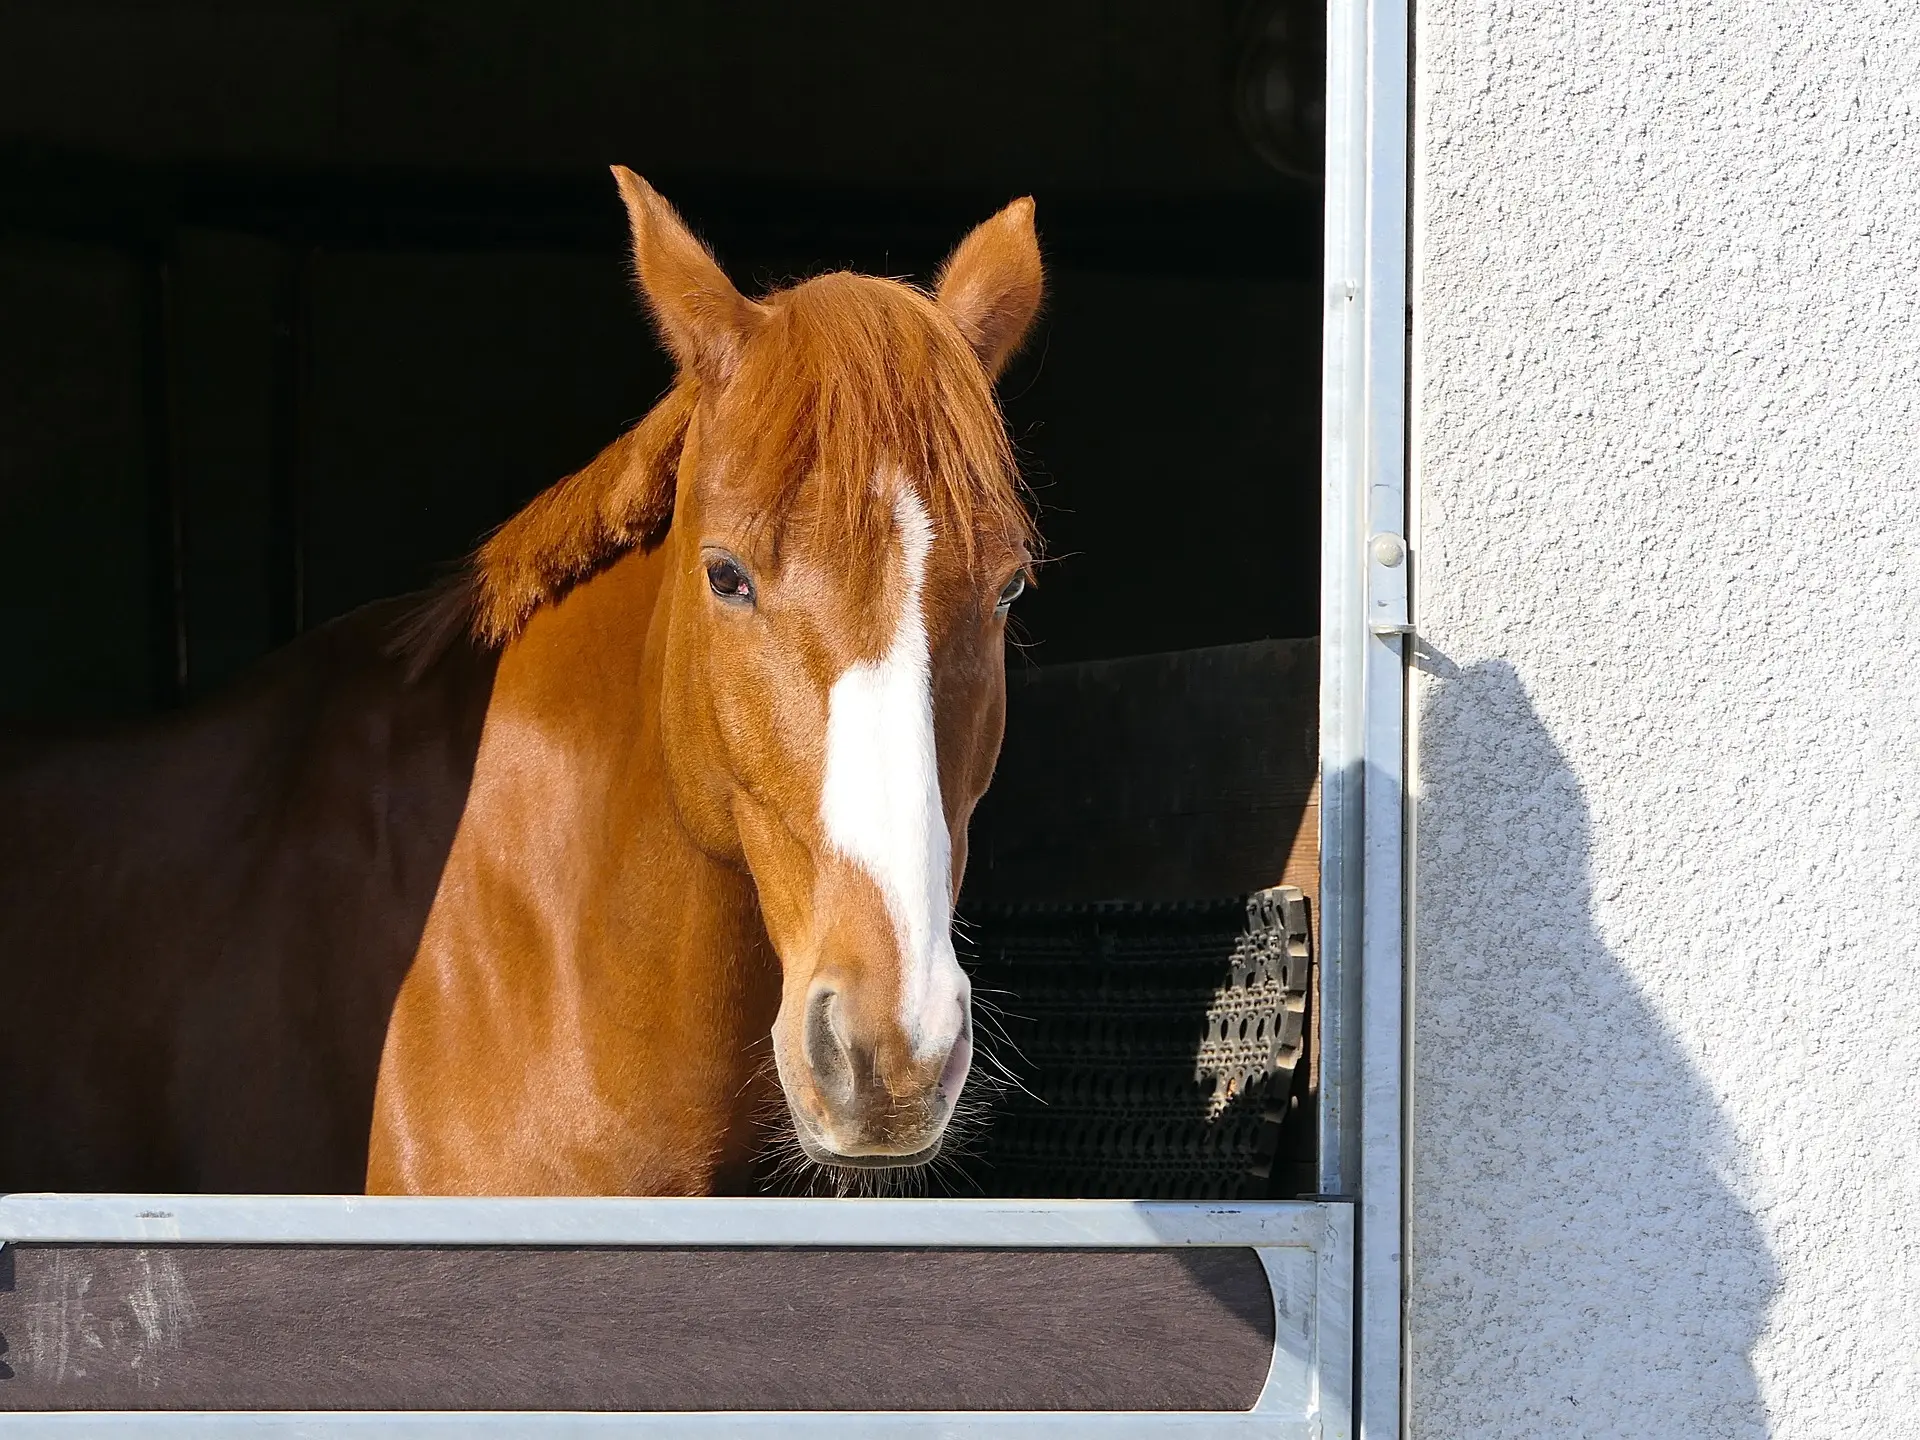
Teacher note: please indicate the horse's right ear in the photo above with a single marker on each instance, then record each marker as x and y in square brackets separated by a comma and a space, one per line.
[703, 319]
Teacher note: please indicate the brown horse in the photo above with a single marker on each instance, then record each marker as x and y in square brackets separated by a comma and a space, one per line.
[516, 889]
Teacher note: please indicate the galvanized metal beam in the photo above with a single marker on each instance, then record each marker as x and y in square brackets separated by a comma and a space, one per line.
[1366, 630]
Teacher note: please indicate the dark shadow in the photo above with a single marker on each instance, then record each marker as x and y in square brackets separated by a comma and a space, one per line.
[205, 919]
[1582, 1262]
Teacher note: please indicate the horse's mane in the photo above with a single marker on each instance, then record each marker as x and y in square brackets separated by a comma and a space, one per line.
[853, 377]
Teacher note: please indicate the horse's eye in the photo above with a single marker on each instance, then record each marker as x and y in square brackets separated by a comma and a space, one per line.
[728, 580]
[1010, 592]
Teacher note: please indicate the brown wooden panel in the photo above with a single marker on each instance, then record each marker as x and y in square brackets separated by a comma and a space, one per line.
[264, 1327]
[1184, 776]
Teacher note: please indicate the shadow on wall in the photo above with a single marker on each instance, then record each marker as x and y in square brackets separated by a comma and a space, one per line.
[1581, 1262]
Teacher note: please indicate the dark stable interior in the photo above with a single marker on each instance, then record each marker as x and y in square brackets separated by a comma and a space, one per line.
[301, 299]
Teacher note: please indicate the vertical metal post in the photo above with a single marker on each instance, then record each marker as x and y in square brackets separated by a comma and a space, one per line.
[1364, 627]
[1342, 597]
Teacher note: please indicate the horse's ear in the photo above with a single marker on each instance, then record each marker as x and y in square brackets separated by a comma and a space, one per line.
[992, 283]
[703, 319]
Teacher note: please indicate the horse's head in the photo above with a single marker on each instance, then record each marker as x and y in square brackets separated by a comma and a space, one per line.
[834, 496]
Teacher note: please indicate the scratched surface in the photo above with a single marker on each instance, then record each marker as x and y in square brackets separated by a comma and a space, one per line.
[260, 1327]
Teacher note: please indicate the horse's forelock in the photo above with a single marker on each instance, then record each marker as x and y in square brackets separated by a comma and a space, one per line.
[859, 378]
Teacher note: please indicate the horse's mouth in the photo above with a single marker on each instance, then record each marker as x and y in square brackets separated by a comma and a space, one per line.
[821, 1155]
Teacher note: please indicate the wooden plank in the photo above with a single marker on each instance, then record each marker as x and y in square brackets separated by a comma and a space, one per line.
[1184, 776]
[283, 1328]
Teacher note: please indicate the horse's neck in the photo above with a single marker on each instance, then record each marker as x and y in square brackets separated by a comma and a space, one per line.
[581, 944]
[571, 798]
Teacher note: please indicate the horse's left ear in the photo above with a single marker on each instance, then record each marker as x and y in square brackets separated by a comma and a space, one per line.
[992, 283]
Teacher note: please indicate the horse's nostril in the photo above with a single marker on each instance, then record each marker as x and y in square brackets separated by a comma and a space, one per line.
[826, 1054]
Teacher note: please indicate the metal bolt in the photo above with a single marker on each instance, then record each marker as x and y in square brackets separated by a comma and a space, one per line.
[1388, 550]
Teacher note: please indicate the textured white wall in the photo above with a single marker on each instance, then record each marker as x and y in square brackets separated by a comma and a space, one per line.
[1666, 415]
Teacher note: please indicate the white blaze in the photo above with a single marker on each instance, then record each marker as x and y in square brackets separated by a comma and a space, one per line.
[880, 799]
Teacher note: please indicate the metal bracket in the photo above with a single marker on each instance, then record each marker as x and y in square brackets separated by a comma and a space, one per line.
[1387, 585]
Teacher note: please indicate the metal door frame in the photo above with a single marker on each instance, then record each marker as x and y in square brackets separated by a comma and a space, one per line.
[1337, 1263]
[1366, 635]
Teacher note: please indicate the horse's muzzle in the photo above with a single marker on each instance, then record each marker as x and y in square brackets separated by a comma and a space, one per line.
[878, 1104]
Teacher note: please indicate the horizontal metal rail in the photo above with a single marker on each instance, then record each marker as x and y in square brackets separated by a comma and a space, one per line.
[554, 1425]
[1305, 1249]
[827, 1223]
